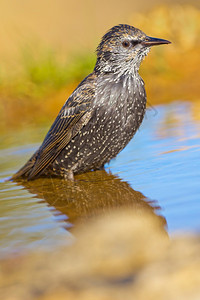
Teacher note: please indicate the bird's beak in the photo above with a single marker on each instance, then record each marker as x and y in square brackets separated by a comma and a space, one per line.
[150, 41]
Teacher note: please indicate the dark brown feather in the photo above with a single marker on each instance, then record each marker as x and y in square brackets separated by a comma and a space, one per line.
[73, 116]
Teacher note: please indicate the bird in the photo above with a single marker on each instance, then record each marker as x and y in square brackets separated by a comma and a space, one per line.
[102, 114]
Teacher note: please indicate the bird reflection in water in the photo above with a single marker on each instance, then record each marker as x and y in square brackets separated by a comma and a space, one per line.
[90, 194]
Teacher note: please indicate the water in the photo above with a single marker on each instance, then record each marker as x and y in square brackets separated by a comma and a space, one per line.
[158, 171]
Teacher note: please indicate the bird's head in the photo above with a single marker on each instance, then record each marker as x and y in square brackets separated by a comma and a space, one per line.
[122, 49]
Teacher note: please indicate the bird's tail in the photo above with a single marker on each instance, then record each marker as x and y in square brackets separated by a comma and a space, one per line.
[25, 171]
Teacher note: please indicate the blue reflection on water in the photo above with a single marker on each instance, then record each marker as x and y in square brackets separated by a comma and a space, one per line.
[163, 162]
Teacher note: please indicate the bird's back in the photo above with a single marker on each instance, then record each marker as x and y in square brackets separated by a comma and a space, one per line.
[74, 114]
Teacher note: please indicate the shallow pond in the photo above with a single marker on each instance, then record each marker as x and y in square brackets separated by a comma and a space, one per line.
[158, 171]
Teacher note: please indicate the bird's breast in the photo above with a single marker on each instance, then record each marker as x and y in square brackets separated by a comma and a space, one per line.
[123, 100]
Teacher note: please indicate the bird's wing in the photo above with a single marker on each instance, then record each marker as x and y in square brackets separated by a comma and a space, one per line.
[73, 116]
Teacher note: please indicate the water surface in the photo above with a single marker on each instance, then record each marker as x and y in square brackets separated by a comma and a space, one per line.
[158, 171]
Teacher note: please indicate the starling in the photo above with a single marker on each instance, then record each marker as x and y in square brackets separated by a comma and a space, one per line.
[102, 114]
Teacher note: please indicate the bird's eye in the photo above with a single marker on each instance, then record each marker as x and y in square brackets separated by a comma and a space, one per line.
[125, 44]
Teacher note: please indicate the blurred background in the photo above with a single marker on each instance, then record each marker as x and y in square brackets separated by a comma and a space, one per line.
[47, 47]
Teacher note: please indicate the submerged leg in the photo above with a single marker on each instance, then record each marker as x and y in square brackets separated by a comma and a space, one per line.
[100, 168]
[69, 175]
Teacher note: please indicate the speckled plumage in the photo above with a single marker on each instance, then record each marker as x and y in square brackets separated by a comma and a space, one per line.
[102, 114]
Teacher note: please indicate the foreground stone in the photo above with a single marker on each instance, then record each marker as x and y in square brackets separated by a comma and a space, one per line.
[123, 255]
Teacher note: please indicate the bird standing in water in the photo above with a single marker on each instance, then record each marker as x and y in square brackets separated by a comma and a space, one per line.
[102, 114]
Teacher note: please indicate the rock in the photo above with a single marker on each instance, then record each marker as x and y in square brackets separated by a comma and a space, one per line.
[121, 255]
